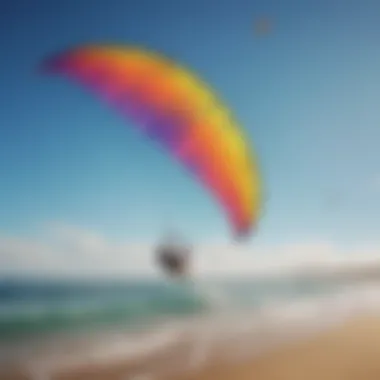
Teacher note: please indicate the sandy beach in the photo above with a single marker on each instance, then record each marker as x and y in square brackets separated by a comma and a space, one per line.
[333, 336]
[351, 352]
[348, 351]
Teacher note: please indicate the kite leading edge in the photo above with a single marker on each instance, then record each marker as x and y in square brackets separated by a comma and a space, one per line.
[171, 105]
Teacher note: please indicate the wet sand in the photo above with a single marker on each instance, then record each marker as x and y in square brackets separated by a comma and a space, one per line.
[350, 351]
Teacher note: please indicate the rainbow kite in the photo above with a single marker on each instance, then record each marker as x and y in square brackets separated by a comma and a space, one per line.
[171, 105]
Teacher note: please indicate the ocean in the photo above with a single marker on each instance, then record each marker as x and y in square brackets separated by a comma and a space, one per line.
[46, 321]
[36, 308]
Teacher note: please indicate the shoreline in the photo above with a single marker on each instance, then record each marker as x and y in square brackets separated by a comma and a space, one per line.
[230, 339]
[347, 351]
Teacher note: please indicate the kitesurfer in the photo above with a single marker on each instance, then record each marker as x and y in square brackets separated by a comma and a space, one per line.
[174, 259]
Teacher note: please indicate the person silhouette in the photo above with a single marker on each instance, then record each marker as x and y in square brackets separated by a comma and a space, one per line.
[173, 257]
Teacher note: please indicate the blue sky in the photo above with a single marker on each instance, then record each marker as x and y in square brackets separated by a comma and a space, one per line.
[307, 94]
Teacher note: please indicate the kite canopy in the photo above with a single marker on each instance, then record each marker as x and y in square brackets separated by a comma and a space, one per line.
[172, 106]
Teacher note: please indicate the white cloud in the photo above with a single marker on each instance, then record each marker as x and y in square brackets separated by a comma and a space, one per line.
[286, 258]
[67, 250]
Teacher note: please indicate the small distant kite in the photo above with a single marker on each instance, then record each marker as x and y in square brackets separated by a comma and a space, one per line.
[262, 26]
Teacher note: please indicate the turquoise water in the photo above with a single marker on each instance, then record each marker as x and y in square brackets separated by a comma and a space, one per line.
[29, 308]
